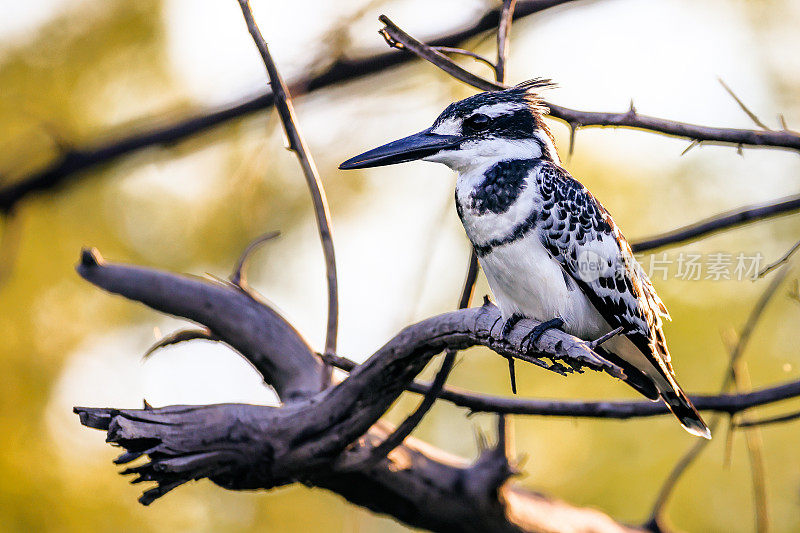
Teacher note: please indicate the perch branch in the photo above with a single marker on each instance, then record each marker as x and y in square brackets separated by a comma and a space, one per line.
[311, 439]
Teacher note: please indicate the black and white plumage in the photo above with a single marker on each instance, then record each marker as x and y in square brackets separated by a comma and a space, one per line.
[547, 246]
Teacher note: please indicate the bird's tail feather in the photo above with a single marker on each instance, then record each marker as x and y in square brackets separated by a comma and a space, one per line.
[681, 406]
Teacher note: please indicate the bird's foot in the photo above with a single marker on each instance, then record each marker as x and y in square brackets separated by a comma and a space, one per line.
[533, 336]
[508, 325]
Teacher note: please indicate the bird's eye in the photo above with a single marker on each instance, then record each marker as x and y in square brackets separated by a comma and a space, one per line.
[476, 122]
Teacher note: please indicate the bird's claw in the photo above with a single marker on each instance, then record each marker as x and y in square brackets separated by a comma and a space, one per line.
[529, 340]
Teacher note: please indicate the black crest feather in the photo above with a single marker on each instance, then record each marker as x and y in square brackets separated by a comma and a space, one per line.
[531, 90]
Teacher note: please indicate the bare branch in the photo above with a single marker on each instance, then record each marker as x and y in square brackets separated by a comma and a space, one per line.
[70, 164]
[397, 38]
[503, 34]
[283, 104]
[785, 257]
[631, 119]
[253, 329]
[723, 221]
[611, 409]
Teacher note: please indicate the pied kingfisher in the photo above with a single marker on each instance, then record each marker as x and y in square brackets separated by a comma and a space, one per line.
[549, 250]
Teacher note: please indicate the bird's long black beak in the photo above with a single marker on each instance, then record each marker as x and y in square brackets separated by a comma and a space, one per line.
[409, 148]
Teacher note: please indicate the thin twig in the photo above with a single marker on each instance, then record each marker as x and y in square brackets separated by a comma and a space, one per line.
[397, 38]
[722, 221]
[755, 450]
[785, 257]
[462, 52]
[283, 104]
[728, 379]
[503, 34]
[758, 422]
[747, 110]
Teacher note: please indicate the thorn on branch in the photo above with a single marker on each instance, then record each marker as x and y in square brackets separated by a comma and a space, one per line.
[632, 109]
[573, 131]
[179, 336]
[692, 144]
[747, 110]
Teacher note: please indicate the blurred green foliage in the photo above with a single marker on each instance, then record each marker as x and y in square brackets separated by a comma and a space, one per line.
[65, 84]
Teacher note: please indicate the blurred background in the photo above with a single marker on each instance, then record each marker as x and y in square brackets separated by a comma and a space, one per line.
[76, 73]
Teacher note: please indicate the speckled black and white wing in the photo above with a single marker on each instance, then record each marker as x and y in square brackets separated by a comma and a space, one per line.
[583, 238]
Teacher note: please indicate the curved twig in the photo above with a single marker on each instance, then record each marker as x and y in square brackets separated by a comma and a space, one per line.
[467, 53]
[239, 275]
[785, 257]
[283, 104]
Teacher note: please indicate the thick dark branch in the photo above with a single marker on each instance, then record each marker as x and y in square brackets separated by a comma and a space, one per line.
[246, 447]
[69, 165]
[226, 310]
[256, 331]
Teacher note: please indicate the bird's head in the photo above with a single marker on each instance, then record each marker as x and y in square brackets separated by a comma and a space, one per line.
[479, 130]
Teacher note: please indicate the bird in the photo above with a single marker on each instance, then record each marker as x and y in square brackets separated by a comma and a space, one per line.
[549, 250]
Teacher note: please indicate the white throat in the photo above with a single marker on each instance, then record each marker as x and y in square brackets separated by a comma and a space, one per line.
[479, 155]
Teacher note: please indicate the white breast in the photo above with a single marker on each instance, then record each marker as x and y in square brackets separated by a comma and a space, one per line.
[525, 280]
